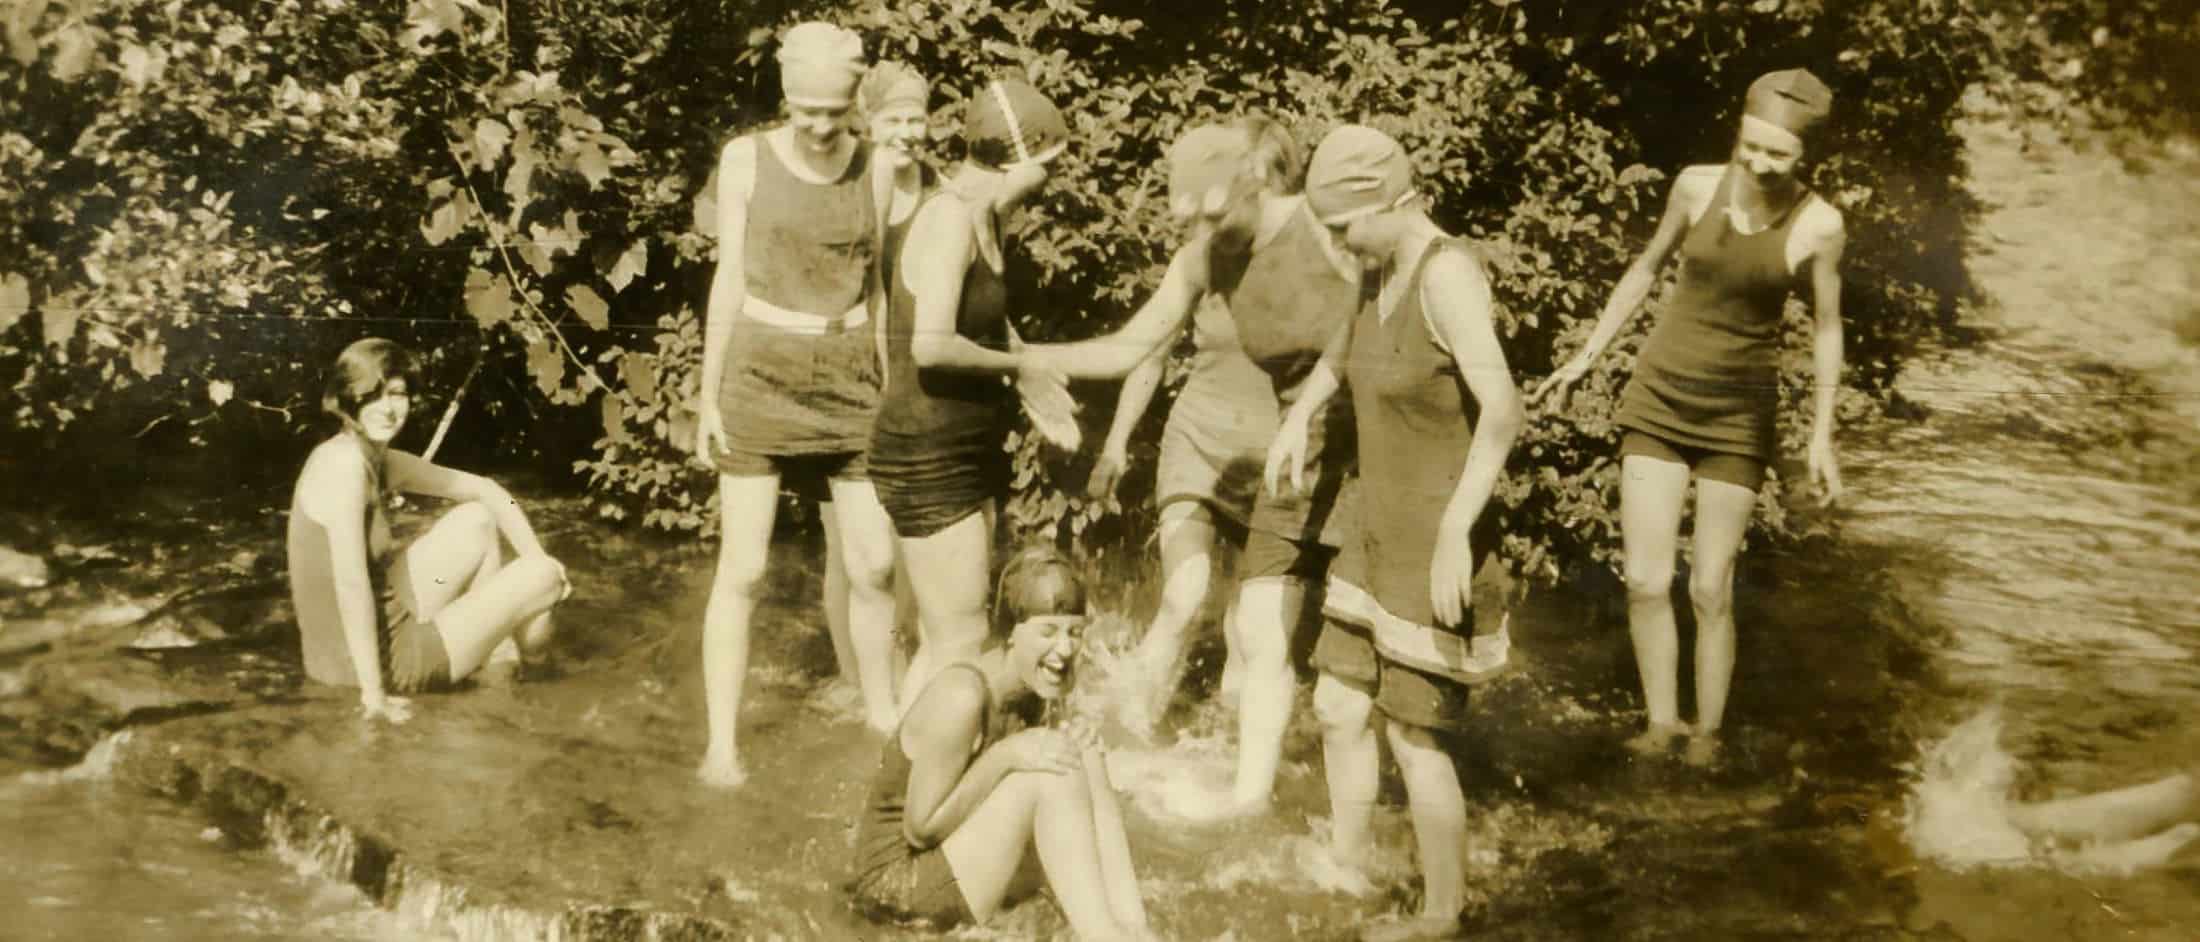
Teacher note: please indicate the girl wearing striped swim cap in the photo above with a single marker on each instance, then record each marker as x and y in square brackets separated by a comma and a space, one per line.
[955, 369]
[1703, 401]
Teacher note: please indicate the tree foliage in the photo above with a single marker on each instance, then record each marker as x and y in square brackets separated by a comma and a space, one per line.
[207, 200]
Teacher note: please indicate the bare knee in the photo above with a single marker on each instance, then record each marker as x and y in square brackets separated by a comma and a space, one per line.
[740, 571]
[1649, 581]
[1341, 709]
[1711, 590]
[866, 566]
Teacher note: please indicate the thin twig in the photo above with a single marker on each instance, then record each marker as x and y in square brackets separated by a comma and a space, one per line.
[511, 271]
[450, 411]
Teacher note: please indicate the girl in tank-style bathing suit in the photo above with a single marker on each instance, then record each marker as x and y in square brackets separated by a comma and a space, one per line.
[1706, 385]
[790, 380]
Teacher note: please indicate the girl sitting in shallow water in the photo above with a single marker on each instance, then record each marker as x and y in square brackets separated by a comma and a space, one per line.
[964, 800]
[386, 619]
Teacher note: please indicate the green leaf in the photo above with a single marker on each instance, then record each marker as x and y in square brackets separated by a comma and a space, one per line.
[148, 356]
[589, 305]
[632, 264]
[641, 380]
[60, 323]
[15, 299]
[614, 420]
[488, 299]
[593, 164]
[220, 391]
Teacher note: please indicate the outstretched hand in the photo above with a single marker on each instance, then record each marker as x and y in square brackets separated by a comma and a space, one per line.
[1048, 404]
[1558, 387]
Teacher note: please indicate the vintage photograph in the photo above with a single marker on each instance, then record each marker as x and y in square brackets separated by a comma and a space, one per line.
[567, 470]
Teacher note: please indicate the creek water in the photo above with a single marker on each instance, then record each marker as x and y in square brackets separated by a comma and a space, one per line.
[2007, 610]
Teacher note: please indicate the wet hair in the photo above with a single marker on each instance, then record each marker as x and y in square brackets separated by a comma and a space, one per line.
[1038, 580]
[1275, 150]
[360, 373]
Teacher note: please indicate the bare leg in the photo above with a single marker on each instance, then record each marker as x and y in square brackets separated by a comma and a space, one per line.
[836, 593]
[456, 578]
[1187, 538]
[1264, 705]
[1053, 812]
[950, 574]
[1722, 517]
[867, 552]
[1439, 826]
[1233, 666]
[1114, 845]
[2114, 815]
[1352, 759]
[747, 505]
[1650, 495]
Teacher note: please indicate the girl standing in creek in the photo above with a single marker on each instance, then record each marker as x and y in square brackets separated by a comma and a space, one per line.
[1707, 384]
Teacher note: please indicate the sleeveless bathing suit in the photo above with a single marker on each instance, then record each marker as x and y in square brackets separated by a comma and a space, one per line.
[938, 450]
[1708, 377]
[808, 250]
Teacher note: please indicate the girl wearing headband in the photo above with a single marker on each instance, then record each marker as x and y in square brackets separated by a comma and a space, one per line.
[790, 378]
[395, 620]
[962, 797]
[1217, 435]
[1437, 415]
[938, 449]
[1707, 382]
[1290, 292]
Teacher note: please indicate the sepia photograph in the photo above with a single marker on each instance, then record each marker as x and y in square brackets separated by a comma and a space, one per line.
[1229, 470]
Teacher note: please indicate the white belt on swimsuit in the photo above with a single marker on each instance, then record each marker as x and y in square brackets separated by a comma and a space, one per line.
[802, 322]
[1468, 661]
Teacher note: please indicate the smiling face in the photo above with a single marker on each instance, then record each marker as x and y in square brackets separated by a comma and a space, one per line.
[1767, 152]
[383, 414]
[899, 133]
[817, 127]
[1044, 651]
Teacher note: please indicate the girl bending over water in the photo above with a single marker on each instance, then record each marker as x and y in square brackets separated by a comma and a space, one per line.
[1707, 384]
[962, 805]
[390, 620]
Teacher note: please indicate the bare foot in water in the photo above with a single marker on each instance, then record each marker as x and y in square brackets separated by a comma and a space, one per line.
[1703, 749]
[1656, 740]
[721, 771]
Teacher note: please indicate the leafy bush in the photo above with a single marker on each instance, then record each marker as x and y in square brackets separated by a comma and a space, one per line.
[208, 196]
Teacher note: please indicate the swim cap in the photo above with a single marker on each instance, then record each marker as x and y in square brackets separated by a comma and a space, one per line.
[1357, 170]
[1205, 159]
[891, 85]
[819, 65]
[1012, 125]
[1792, 99]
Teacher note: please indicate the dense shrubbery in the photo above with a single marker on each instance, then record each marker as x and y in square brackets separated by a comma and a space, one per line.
[207, 199]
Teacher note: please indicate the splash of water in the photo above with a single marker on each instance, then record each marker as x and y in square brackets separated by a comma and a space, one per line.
[98, 764]
[1958, 811]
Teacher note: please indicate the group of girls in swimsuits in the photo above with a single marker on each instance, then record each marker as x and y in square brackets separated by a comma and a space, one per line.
[1350, 411]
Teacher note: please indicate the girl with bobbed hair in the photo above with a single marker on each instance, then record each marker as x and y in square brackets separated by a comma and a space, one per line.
[394, 620]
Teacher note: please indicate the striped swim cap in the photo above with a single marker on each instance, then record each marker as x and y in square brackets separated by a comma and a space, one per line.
[1012, 125]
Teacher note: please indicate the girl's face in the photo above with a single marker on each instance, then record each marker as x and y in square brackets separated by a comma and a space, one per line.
[1369, 237]
[899, 134]
[1044, 650]
[381, 417]
[818, 128]
[1767, 152]
[1229, 214]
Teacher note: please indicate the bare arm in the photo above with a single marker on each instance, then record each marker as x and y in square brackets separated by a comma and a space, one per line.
[1641, 276]
[1456, 300]
[1826, 338]
[1150, 329]
[945, 783]
[337, 488]
[1137, 394]
[1459, 304]
[728, 286]
[416, 475]
[937, 253]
